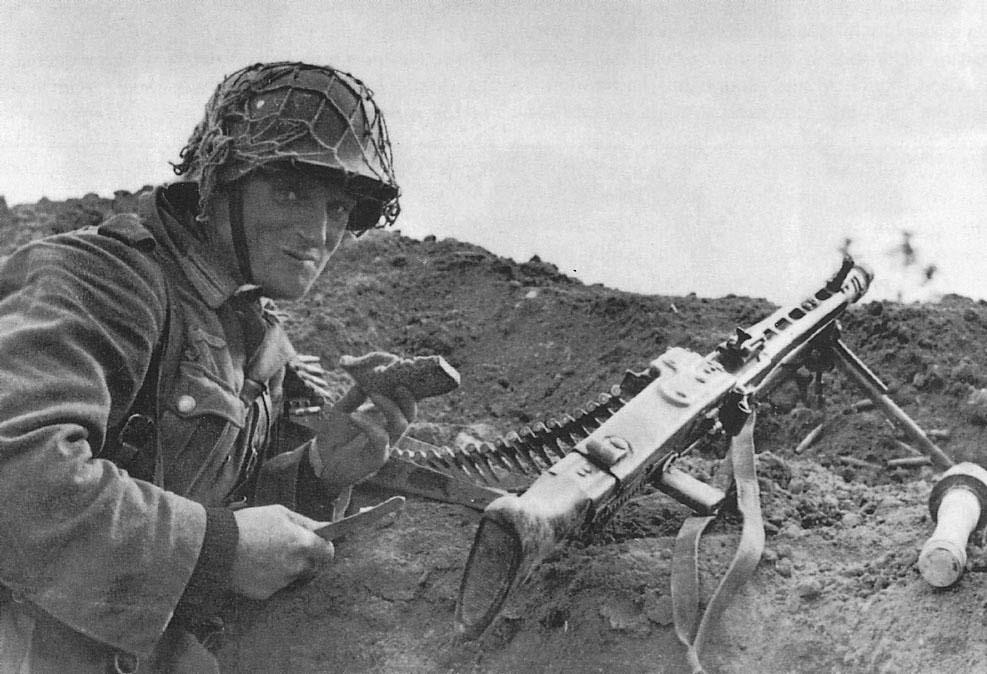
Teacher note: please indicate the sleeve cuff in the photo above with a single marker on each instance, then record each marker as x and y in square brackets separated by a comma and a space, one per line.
[209, 585]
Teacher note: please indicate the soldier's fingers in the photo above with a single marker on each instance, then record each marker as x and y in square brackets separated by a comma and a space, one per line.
[317, 559]
[326, 393]
[310, 370]
[315, 550]
[302, 521]
[351, 400]
[368, 360]
[377, 435]
[322, 389]
[397, 411]
[406, 401]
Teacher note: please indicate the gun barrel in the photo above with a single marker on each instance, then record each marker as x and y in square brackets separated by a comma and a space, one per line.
[756, 353]
[854, 281]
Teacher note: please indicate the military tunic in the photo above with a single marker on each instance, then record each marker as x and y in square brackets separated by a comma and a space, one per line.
[105, 551]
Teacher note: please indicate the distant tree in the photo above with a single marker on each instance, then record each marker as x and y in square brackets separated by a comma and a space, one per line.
[906, 249]
[915, 273]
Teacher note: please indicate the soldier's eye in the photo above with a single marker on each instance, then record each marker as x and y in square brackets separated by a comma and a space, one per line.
[287, 193]
[339, 209]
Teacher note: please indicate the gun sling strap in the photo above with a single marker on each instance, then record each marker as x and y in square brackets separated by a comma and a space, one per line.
[691, 627]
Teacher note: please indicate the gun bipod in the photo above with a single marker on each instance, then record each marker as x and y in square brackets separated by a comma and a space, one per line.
[875, 389]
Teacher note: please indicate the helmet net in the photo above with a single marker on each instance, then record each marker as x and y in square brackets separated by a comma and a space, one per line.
[303, 114]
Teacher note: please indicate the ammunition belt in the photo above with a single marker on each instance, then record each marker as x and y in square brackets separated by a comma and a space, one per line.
[533, 449]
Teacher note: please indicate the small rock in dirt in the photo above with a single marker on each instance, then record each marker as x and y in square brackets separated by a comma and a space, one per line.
[809, 589]
[623, 617]
[770, 555]
[851, 520]
[931, 380]
[773, 468]
[516, 611]
[862, 405]
[977, 404]
[909, 559]
[659, 610]
[966, 372]
[855, 570]
[557, 618]
[805, 416]
[797, 485]
[793, 530]
[784, 568]
[976, 559]
[887, 505]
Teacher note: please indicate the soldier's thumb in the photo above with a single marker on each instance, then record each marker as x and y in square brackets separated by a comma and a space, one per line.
[305, 522]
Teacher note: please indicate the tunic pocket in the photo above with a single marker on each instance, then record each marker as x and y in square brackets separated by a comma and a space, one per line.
[201, 420]
[198, 392]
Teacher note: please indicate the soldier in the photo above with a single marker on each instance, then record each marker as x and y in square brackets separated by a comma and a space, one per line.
[147, 465]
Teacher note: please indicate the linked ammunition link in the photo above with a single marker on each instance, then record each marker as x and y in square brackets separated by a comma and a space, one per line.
[533, 449]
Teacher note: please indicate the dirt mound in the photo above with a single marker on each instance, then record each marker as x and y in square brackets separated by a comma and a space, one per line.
[837, 589]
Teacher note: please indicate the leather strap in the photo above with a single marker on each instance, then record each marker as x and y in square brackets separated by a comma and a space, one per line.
[239, 235]
[691, 627]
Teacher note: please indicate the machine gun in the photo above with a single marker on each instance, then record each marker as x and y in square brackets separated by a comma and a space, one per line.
[656, 417]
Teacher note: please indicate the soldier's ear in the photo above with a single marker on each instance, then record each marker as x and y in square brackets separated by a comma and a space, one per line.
[215, 222]
[217, 207]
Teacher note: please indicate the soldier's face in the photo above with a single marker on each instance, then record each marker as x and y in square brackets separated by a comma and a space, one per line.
[293, 221]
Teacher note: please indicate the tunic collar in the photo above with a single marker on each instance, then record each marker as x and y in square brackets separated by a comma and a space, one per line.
[169, 211]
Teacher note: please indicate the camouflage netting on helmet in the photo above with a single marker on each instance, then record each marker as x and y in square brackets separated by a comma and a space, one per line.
[299, 113]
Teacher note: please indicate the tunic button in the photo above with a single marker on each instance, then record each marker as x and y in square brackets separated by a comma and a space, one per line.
[186, 404]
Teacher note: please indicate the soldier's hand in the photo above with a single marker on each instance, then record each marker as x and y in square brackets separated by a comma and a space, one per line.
[350, 447]
[276, 547]
[355, 436]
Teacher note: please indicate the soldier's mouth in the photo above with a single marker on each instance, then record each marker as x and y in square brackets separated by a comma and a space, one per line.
[302, 255]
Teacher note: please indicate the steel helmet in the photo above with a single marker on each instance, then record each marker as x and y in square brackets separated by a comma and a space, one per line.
[300, 113]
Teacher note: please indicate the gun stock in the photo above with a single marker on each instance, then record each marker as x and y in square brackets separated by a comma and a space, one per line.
[689, 396]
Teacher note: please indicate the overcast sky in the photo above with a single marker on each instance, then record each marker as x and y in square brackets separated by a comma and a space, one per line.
[658, 147]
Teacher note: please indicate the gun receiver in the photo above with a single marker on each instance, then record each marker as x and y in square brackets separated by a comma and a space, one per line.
[688, 397]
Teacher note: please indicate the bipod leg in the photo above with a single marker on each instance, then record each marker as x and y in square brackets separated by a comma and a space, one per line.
[875, 389]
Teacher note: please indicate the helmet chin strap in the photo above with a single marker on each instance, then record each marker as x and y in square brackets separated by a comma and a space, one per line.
[240, 248]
